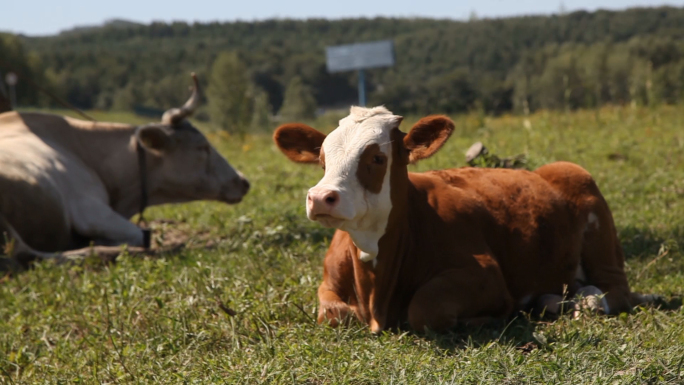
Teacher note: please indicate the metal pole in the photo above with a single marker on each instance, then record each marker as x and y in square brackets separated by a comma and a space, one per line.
[362, 88]
[3, 90]
[13, 96]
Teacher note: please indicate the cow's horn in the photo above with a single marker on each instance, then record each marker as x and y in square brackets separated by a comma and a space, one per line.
[176, 115]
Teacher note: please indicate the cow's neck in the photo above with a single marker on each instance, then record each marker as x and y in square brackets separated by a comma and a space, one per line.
[109, 150]
[377, 279]
[386, 284]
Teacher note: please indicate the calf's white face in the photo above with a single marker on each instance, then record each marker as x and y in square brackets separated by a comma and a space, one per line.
[355, 192]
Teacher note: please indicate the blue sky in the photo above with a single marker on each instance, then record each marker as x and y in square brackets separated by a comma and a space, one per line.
[41, 17]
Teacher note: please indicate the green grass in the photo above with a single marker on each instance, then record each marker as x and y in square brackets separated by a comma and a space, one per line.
[165, 319]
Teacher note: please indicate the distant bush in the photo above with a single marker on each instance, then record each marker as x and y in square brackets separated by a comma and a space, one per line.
[261, 114]
[230, 105]
[298, 103]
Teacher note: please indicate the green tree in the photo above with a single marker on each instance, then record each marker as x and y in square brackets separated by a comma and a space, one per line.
[261, 114]
[640, 83]
[561, 85]
[230, 105]
[594, 70]
[125, 98]
[619, 70]
[299, 103]
[666, 86]
[15, 58]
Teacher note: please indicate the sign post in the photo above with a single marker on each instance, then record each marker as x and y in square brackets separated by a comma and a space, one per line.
[362, 88]
[360, 56]
[11, 78]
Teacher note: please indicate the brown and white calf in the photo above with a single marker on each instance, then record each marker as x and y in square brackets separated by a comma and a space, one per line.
[441, 247]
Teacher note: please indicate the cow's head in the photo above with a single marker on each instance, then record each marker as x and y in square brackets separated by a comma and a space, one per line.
[363, 159]
[184, 166]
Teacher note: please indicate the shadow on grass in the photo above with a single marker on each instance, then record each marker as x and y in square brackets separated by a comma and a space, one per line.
[93, 258]
[638, 243]
[518, 332]
[286, 230]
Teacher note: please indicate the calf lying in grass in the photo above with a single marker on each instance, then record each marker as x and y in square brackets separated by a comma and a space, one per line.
[459, 245]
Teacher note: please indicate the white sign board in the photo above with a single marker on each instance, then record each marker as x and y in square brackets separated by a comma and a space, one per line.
[11, 78]
[360, 56]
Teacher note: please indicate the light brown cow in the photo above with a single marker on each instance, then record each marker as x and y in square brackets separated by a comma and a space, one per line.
[441, 247]
[65, 182]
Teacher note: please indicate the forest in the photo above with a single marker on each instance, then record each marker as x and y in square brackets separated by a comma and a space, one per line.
[522, 64]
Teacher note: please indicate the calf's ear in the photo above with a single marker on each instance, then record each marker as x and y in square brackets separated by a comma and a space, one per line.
[299, 142]
[427, 136]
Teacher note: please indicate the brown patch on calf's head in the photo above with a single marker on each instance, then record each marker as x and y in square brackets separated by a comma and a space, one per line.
[427, 136]
[372, 168]
[299, 142]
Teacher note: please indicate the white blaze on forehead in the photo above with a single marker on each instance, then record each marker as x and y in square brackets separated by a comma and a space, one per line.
[365, 213]
[362, 127]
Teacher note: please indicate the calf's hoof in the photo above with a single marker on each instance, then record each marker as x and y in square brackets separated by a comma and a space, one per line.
[552, 305]
[335, 314]
[590, 298]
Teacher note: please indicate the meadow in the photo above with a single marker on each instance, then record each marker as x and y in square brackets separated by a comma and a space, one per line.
[237, 303]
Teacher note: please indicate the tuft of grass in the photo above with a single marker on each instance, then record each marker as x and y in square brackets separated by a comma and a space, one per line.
[243, 310]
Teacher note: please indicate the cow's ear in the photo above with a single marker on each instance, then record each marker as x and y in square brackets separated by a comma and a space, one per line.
[299, 142]
[427, 136]
[155, 138]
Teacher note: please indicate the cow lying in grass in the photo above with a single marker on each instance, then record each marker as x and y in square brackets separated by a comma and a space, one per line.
[440, 247]
[65, 183]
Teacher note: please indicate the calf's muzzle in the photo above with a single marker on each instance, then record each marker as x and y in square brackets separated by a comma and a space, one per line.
[321, 201]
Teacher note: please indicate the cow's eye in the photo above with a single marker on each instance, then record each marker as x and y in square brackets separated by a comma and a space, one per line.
[379, 160]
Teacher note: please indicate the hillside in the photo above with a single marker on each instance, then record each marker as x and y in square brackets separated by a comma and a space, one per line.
[571, 61]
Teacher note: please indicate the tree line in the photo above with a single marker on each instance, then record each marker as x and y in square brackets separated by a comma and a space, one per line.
[256, 70]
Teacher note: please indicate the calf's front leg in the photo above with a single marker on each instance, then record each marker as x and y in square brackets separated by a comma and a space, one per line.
[332, 309]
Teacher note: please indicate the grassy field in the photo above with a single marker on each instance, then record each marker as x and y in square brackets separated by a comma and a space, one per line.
[238, 304]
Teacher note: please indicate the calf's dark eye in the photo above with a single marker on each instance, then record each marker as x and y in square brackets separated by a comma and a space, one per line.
[379, 160]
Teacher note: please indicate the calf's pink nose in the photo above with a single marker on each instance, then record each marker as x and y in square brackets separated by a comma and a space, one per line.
[322, 201]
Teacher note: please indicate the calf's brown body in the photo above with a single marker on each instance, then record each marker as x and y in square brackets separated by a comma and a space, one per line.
[469, 243]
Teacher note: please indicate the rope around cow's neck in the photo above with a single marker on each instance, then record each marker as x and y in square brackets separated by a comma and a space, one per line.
[142, 170]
